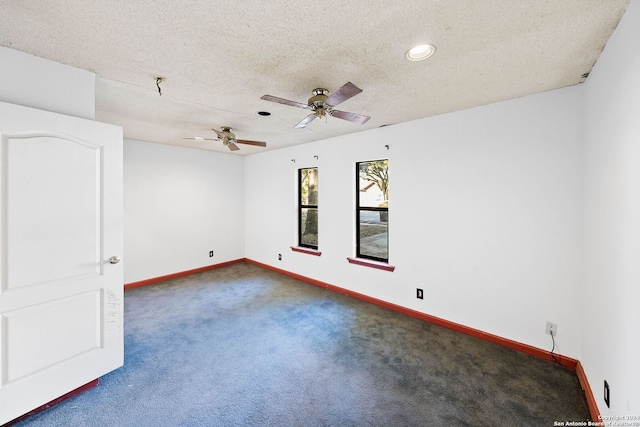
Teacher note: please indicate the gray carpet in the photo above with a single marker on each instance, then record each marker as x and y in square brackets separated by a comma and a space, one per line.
[244, 346]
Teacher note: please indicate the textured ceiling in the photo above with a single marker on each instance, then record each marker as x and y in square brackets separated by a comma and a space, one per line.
[219, 57]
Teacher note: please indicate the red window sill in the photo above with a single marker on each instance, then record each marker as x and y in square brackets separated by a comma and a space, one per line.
[371, 263]
[306, 250]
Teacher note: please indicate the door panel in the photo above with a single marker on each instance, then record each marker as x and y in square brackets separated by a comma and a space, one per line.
[37, 337]
[60, 221]
[58, 207]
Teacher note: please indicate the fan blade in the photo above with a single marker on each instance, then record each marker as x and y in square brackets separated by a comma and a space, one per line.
[258, 143]
[304, 122]
[283, 101]
[232, 146]
[352, 117]
[198, 138]
[220, 134]
[345, 92]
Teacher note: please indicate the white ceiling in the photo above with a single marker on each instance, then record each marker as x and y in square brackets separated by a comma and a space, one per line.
[219, 57]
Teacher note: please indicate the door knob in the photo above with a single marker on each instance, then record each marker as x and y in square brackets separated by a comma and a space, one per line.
[114, 260]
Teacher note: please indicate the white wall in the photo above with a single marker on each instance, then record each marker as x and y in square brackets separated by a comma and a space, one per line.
[611, 294]
[485, 215]
[39, 83]
[179, 204]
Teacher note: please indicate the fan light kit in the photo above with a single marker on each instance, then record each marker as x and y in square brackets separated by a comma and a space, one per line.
[228, 138]
[322, 104]
[420, 52]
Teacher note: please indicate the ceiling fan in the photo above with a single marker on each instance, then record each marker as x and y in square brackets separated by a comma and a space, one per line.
[228, 138]
[322, 104]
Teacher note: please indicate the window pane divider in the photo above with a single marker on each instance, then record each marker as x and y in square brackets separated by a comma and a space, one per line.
[374, 208]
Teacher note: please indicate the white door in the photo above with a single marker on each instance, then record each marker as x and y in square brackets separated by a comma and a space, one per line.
[61, 210]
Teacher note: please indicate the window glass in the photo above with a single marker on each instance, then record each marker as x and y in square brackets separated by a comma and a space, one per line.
[308, 208]
[372, 206]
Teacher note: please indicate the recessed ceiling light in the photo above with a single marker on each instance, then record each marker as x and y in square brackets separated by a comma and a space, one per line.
[264, 113]
[420, 52]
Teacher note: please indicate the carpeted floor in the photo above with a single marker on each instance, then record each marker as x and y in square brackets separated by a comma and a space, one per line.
[244, 346]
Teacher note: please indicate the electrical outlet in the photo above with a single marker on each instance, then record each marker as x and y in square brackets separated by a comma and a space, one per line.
[279, 257]
[606, 394]
[419, 294]
[210, 254]
[552, 328]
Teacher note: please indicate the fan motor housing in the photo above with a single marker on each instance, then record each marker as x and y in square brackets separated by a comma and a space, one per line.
[320, 95]
[227, 131]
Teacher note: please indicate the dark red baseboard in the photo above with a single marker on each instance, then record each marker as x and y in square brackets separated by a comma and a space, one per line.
[180, 274]
[72, 393]
[588, 393]
[515, 345]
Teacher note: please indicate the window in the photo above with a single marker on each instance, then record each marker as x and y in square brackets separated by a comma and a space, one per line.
[372, 210]
[308, 208]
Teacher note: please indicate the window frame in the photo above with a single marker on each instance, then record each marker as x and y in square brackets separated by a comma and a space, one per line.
[370, 209]
[302, 206]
